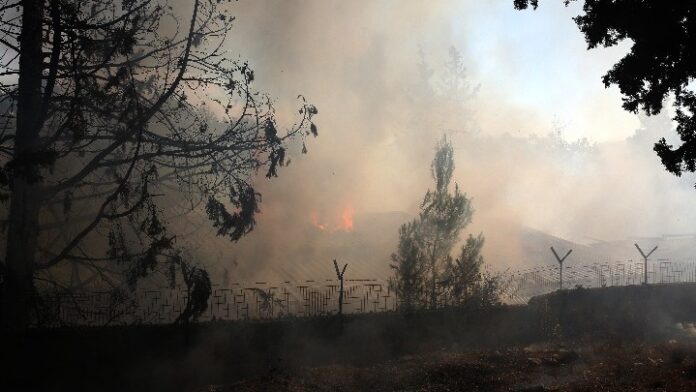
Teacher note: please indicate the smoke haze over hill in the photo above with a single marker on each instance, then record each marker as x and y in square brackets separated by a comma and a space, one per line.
[539, 143]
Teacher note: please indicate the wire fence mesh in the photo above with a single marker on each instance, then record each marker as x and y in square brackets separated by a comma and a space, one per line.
[519, 286]
[268, 300]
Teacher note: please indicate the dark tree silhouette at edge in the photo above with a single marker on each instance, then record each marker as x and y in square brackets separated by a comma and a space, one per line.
[114, 116]
[661, 62]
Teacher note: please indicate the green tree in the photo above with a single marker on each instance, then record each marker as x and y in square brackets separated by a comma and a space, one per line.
[463, 274]
[425, 274]
[115, 116]
[408, 264]
[660, 62]
[426, 243]
[443, 215]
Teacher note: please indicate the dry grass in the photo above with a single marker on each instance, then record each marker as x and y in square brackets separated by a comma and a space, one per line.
[669, 366]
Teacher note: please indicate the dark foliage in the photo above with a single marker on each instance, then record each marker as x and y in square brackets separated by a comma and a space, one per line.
[409, 269]
[661, 62]
[463, 273]
[198, 288]
[241, 221]
[114, 118]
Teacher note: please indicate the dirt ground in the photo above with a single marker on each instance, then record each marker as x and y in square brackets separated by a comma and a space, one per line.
[608, 366]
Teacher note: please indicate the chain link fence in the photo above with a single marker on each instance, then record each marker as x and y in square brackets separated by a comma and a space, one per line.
[268, 300]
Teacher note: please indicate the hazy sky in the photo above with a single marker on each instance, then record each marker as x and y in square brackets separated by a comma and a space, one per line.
[535, 64]
[538, 61]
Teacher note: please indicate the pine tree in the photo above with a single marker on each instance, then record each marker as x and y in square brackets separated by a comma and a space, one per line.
[463, 274]
[443, 215]
[408, 282]
[426, 243]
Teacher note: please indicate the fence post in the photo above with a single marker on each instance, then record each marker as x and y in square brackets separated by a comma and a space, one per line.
[645, 260]
[340, 274]
[560, 263]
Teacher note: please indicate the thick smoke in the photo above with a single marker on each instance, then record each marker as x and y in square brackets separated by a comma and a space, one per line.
[381, 75]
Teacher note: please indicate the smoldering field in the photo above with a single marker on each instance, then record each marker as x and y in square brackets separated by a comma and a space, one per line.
[573, 191]
[570, 164]
[578, 340]
[539, 145]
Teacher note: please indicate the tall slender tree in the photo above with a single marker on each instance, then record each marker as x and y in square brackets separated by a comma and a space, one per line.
[426, 243]
[443, 215]
[116, 115]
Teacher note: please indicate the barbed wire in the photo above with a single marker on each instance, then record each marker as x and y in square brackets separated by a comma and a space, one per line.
[268, 300]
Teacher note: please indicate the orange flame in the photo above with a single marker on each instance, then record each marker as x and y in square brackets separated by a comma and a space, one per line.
[347, 218]
[344, 221]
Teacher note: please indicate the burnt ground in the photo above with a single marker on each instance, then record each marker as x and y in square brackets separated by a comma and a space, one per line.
[608, 366]
[608, 339]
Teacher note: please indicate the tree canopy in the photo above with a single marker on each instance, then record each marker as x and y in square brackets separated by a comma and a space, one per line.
[661, 62]
[425, 274]
[115, 118]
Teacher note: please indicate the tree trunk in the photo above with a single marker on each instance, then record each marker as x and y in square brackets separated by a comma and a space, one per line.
[23, 216]
[21, 247]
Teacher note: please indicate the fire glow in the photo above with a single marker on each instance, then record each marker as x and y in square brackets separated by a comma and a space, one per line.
[343, 220]
[314, 218]
[347, 219]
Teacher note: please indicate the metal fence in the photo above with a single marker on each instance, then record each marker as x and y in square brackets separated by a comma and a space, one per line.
[519, 286]
[260, 300]
[266, 300]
